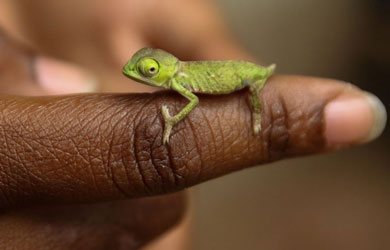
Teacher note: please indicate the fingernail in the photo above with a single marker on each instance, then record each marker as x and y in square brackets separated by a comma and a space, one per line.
[354, 120]
[59, 77]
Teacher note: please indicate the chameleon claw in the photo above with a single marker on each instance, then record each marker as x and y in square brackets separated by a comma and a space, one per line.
[167, 132]
[168, 124]
[256, 128]
[165, 113]
[256, 123]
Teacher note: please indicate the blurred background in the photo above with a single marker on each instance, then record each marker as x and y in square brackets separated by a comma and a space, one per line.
[329, 202]
[334, 201]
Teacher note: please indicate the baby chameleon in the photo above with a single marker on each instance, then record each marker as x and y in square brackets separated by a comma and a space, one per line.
[156, 67]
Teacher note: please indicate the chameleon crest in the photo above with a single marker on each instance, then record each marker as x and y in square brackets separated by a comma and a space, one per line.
[158, 68]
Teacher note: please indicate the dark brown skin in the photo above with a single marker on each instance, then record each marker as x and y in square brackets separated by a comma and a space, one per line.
[69, 164]
[25, 223]
[99, 147]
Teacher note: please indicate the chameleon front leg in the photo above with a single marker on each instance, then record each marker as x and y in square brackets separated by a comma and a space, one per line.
[171, 121]
[254, 89]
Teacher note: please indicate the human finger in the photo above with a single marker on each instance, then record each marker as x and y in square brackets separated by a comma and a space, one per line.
[128, 224]
[85, 148]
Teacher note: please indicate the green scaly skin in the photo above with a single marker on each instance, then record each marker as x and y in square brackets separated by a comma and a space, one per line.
[161, 69]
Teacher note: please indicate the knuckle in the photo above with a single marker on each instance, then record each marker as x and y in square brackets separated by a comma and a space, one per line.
[277, 132]
[293, 129]
[147, 166]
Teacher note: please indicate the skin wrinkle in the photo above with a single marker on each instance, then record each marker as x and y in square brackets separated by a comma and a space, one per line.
[173, 167]
[135, 174]
[163, 181]
[138, 161]
[105, 125]
[150, 173]
[179, 165]
[126, 169]
[18, 158]
[52, 145]
[84, 158]
[189, 158]
[115, 131]
[76, 155]
[213, 139]
[228, 147]
[235, 138]
[132, 153]
[108, 165]
[184, 157]
[137, 165]
[99, 170]
[267, 130]
[90, 119]
[129, 132]
[135, 141]
[278, 133]
[196, 169]
[30, 174]
[247, 149]
[286, 121]
[220, 130]
[316, 117]
[55, 128]
[26, 141]
[164, 170]
[167, 174]
[181, 159]
[243, 103]
[8, 149]
[109, 153]
[156, 166]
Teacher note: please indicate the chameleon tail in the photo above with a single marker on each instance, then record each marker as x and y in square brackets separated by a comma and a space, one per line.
[271, 69]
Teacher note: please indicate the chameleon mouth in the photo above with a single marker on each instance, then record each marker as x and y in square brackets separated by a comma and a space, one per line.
[127, 69]
[133, 75]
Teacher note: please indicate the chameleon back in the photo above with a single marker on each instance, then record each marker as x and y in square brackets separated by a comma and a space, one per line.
[219, 77]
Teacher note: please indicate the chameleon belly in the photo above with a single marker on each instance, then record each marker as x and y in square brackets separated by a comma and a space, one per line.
[218, 77]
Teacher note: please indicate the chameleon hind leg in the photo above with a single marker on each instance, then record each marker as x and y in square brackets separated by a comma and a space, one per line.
[171, 121]
[254, 99]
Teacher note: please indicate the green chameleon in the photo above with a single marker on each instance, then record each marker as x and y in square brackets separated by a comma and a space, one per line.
[158, 68]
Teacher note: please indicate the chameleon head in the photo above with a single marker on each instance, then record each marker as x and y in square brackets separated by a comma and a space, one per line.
[153, 67]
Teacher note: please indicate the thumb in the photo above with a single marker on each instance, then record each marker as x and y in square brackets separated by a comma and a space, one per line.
[24, 72]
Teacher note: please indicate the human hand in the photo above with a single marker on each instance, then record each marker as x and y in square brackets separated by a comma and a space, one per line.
[91, 148]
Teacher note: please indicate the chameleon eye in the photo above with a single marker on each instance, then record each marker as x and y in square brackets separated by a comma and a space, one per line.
[148, 67]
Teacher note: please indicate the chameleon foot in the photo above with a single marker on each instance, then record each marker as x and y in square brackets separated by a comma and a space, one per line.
[169, 123]
[256, 123]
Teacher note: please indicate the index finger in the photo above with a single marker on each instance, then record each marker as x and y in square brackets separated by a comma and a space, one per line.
[84, 148]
